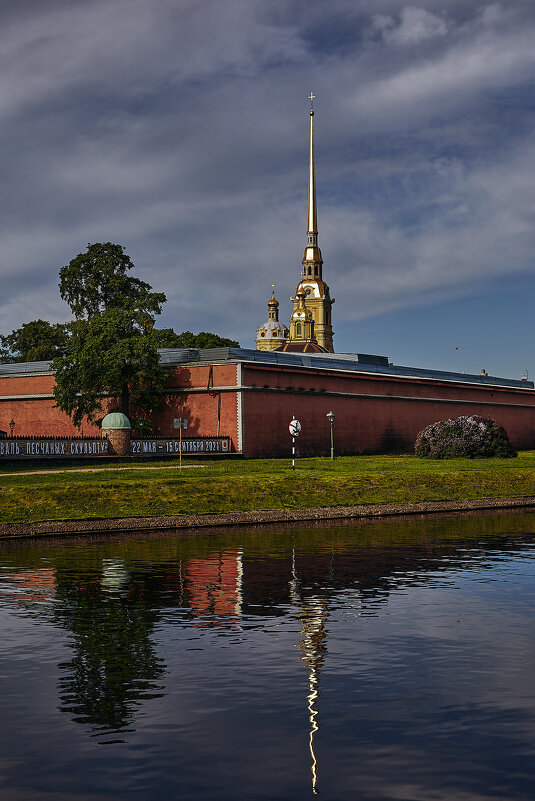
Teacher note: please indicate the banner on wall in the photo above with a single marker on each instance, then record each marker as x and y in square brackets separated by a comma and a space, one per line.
[15, 448]
[169, 447]
[50, 448]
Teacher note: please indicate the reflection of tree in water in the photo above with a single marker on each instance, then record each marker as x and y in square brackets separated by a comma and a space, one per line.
[114, 667]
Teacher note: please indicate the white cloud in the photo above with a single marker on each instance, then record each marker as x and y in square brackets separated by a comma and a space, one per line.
[481, 229]
[444, 84]
[134, 48]
[415, 25]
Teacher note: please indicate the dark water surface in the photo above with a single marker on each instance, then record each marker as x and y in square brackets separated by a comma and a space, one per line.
[378, 660]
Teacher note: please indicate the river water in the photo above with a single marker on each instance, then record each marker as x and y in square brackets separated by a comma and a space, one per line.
[388, 659]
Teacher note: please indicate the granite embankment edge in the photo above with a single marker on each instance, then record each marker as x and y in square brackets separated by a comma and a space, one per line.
[191, 523]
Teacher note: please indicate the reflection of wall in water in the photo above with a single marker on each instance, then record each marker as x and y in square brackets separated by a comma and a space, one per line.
[30, 586]
[213, 587]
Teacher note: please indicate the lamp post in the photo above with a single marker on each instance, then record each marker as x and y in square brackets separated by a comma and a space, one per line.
[141, 423]
[331, 417]
[12, 426]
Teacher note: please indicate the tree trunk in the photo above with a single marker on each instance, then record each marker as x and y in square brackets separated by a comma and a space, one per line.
[125, 401]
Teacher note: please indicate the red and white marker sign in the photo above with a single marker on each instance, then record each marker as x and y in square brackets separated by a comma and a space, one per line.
[294, 428]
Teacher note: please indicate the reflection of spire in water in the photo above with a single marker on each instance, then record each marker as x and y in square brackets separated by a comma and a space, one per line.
[294, 583]
[313, 646]
[239, 582]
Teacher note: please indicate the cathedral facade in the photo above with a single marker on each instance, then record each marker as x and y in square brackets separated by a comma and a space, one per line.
[311, 321]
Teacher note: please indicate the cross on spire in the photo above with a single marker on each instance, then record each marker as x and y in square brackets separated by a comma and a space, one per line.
[312, 97]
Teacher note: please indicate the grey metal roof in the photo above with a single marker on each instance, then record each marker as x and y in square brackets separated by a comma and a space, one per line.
[353, 362]
[171, 356]
[25, 367]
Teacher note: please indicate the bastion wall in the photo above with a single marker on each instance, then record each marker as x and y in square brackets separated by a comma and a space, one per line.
[253, 403]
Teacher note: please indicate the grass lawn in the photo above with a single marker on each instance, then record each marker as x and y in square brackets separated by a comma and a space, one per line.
[229, 486]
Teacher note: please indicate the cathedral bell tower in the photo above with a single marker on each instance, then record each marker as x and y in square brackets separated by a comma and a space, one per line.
[302, 322]
[317, 295]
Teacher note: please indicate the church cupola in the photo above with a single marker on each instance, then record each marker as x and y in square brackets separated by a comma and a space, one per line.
[272, 334]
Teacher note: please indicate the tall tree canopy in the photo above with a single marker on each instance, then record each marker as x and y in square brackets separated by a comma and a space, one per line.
[112, 350]
[35, 341]
[167, 338]
[96, 281]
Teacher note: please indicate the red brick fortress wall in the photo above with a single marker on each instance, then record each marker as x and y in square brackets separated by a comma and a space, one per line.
[28, 400]
[374, 413]
[205, 395]
[252, 403]
[202, 393]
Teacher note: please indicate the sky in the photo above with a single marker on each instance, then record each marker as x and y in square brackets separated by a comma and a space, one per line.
[179, 129]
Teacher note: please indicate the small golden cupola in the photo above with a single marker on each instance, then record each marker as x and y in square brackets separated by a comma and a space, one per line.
[272, 334]
[317, 295]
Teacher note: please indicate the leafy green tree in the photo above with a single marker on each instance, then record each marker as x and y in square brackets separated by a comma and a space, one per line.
[96, 281]
[112, 351]
[35, 341]
[167, 338]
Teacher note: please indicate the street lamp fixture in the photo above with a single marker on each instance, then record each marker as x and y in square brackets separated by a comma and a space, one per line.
[331, 416]
[12, 426]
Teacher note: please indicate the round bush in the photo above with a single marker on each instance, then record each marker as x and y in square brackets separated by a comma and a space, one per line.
[472, 437]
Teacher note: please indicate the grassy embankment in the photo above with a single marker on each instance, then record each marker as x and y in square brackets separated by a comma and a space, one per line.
[230, 486]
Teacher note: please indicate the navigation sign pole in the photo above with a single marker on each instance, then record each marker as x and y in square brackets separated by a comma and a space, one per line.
[294, 429]
[183, 424]
[180, 423]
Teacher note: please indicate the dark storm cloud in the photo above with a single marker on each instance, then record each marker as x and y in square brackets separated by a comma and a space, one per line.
[179, 129]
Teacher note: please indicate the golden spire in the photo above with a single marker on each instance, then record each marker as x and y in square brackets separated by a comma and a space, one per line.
[318, 300]
[312, 213]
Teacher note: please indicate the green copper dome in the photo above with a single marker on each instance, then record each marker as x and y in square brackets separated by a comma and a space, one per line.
[114, 421]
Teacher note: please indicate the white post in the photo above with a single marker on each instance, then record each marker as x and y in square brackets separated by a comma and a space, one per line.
[295, 430]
